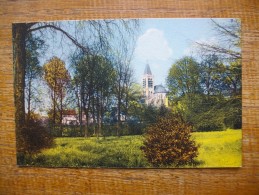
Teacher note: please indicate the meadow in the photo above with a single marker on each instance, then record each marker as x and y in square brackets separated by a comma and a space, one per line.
[217, 149]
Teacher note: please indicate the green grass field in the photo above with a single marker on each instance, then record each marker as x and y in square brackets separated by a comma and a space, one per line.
[217, 149]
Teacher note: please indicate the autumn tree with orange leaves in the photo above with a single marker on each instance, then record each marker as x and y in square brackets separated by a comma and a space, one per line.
[57, 78]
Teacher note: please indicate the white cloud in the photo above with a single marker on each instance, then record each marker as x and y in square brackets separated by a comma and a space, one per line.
[152, 45]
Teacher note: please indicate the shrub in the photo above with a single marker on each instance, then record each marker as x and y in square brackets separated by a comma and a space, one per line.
[168, 143]
[33, 137]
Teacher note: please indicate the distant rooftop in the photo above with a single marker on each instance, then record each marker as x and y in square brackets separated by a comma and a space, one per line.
[147, 70]
[160, 89]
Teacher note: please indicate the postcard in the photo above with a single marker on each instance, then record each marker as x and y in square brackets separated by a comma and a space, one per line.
[128, 93]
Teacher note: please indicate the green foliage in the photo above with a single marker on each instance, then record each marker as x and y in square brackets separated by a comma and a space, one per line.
[208, 93]
[135, 108]
[210, 113]
[168, 142]
[213, 73]
[184, 77]
[233, 112]
[150, 113]
[93, 82]
[205, 113]
[234, 77]
[216, 105]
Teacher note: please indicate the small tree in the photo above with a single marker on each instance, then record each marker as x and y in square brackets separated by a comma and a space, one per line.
[168, 142]
[57, 78]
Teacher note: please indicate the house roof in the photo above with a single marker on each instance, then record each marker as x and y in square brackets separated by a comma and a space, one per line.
[147, 70]
[69, 112]
[160, 89]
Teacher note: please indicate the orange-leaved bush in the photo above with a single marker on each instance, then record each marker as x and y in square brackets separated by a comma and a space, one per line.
[168, 143]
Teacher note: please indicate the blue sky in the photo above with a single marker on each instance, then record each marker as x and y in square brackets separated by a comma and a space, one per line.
[163, 41]
[160, 43]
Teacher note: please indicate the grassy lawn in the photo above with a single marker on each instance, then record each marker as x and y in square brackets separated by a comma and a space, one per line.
[217, 149]
[220, 149]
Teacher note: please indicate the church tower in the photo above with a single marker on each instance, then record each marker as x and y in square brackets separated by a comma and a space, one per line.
[148, 83]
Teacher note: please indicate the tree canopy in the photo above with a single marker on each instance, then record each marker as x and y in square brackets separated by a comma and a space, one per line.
[207, 91]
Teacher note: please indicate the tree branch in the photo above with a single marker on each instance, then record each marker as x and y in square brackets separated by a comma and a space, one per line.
[225, 29]
[213, 48]
[84, 49]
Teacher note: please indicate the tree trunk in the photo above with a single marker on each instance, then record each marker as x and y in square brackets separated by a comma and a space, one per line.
[61, 113]
[98, 114]
[101, 115]
[119, 115]
[80, 116]
[80, 111]
[86, 111]
[93, 115]
[19, 62]
[29, 102]
[86, 121]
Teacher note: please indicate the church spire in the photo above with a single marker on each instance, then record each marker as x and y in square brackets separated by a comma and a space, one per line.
[147, 70]
[148, 83]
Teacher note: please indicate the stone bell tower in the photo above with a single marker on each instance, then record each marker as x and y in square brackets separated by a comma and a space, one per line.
[148, 83]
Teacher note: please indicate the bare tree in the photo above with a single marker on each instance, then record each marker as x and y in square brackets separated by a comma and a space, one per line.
[228, 41]
[123, 80]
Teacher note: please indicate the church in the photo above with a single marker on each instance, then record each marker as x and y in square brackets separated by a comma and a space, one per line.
[155, 95]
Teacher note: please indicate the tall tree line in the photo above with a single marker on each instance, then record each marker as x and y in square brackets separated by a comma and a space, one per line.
[92, 38]
[207, 91]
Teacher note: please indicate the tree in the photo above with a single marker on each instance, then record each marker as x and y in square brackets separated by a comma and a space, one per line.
[33, 71]
[184, 77]
[19, 58]
[168, 143]
[228, 51]
[123, 76]
[216, 104]
[104, 76]
[121, 59]
[57, 78]
[212, 75]
[20, 34]
[233, 78]
[200, 100]
[94, 77]
[135, 107]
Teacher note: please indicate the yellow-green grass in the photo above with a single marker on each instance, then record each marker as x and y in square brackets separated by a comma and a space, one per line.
[92, 152]
[217, 149]
[220, 148]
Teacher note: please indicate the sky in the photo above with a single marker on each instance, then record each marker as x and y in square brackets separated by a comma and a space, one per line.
[160, 43]
[163, 41]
